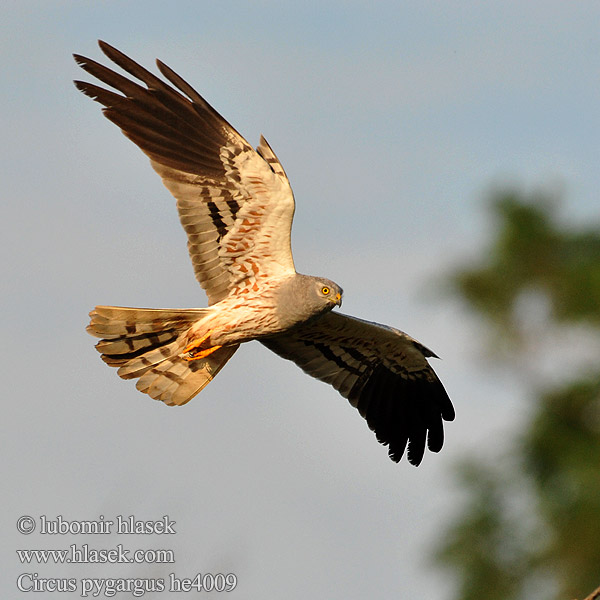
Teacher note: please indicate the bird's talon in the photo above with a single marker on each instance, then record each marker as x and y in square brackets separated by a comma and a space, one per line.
[192, 349]
[192, 355]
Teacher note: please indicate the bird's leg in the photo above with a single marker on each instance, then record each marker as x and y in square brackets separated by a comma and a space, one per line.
[201, 354]
[193, 354]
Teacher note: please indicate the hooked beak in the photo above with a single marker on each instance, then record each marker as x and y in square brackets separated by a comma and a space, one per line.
[338, 299]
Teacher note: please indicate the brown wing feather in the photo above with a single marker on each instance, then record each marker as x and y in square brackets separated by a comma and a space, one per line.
[235, 204]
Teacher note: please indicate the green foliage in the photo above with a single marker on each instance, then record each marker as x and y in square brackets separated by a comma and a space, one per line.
[562, 456]
[533, 251]
[489, 563]
[553, 470]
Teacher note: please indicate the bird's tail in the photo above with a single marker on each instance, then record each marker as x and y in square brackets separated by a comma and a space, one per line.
[148, 344]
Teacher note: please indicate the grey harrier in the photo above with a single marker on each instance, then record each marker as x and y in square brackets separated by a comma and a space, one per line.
[236, 206]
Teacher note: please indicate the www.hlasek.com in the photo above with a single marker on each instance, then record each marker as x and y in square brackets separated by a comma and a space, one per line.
[84, 554]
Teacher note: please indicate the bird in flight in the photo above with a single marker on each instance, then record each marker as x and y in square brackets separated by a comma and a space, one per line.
[236, 206]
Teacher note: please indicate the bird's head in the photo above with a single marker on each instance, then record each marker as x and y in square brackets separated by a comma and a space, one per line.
[303, 297]
[329, 291]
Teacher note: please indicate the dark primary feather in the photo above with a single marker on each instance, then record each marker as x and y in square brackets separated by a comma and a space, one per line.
[403, 411]
[179, 131]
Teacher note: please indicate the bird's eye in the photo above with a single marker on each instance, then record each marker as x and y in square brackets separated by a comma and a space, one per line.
[325, 290]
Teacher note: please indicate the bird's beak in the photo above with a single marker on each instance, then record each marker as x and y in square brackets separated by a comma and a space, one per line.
[338, 299]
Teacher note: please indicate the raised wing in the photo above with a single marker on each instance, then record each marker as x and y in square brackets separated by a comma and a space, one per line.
[235, 203]
[382, 372]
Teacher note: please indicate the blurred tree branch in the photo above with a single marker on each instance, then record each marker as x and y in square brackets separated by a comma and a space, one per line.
[530, 526]
[595, 595]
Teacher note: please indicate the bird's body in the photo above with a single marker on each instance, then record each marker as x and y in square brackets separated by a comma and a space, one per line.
[246, 316]
[236, 206]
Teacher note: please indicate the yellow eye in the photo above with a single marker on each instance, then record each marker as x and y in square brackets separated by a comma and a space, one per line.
[325, 290]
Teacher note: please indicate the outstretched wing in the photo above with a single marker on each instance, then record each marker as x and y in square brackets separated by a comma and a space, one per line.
[382, 372]
[235, 203]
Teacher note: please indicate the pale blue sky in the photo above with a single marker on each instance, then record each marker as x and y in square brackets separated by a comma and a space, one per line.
[392, 119]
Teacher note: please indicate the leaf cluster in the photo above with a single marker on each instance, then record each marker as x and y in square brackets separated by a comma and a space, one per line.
[530, 526]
